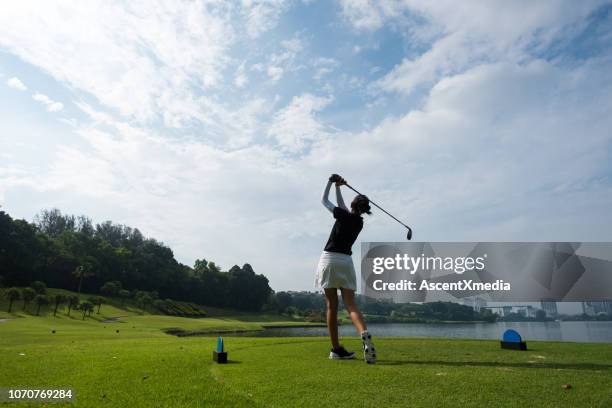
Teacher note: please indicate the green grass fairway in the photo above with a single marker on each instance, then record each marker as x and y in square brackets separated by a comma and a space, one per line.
[143, 367]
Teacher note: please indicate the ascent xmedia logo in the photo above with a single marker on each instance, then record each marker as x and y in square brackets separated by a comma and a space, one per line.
[413, 264]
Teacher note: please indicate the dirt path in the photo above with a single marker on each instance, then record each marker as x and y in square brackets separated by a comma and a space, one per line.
[113, 319]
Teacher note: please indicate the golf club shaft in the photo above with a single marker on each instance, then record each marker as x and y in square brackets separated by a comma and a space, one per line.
[379, 207]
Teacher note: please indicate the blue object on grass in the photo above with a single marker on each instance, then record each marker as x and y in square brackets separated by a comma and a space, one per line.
[220, 345]
[511, 336]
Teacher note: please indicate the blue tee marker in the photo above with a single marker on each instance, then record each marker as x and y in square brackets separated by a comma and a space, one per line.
[219, 355]
[511, 340]
[220, 345]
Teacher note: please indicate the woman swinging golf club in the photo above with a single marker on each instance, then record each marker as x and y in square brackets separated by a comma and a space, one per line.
[336, 270]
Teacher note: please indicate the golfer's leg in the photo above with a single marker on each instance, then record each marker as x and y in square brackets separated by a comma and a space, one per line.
[348, 297]
[331, 299]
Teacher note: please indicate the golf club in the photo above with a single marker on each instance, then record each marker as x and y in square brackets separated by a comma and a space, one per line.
[408, 235]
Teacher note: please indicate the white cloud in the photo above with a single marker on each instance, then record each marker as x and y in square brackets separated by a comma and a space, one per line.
[44, 99]
[275, 73]
[240, 79]
[470, 33]
[55, 107]
[370, 14]
[14, 176]
[295, 44]
[324, 66]
[52, 106]
[134, 60]
[295, 125]
[321, 72]
[257, 67]
[279, 63]
[262, 15]
[16, 83]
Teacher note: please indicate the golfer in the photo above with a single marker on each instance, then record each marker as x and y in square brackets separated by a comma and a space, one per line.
[336, 270]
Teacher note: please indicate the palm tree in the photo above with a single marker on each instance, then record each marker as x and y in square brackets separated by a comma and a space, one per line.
[86, 307]
[124, 294]
[111, 288]
[81, 272]
[160, 305]
[98, 302]
[59, 299]
[12, 295]
[27, 295]
[73, 301]
[40, 300]
[144, 300]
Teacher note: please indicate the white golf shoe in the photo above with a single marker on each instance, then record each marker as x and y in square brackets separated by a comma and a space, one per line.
[369, 352]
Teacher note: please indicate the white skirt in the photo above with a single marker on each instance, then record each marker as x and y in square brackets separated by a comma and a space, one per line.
[336, 270]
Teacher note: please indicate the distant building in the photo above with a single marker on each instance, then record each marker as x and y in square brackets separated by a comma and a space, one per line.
[478, 304]
[595, 308]
[524, 310]
[608, 306]
[475, 303]
[498, 310]
[588, 309]
[504, 311]
[550, 307]
[531, 311]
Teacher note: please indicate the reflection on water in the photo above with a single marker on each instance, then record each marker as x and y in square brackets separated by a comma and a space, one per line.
[590, 332]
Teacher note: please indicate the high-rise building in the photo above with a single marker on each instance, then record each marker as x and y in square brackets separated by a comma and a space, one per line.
[595, 308]
[475, 303]
[550, 307]
[607, 306]
[479, 303]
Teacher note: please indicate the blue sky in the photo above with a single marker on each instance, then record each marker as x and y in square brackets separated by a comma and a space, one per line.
[213, 126]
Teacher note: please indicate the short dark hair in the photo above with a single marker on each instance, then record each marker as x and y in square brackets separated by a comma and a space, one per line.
[361, 204]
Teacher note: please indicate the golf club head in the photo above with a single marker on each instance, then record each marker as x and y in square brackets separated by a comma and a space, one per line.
[409, 234]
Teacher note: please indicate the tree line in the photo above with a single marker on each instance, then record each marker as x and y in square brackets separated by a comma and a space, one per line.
[36, 293]
[70, 252]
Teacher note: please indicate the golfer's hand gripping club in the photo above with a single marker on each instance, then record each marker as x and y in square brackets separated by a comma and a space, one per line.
[335, 178]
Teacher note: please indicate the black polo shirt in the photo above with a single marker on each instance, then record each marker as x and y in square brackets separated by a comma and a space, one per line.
[345, 231]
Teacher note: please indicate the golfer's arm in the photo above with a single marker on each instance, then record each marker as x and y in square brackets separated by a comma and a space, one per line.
[339, 199]
[325, 199]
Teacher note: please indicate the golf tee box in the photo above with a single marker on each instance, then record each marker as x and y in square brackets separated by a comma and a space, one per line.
[220, 356]
[511, 340]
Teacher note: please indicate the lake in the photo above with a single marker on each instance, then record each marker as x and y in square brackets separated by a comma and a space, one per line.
[589, 332]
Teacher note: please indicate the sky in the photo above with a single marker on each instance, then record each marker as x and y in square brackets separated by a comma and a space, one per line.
[213, 126]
